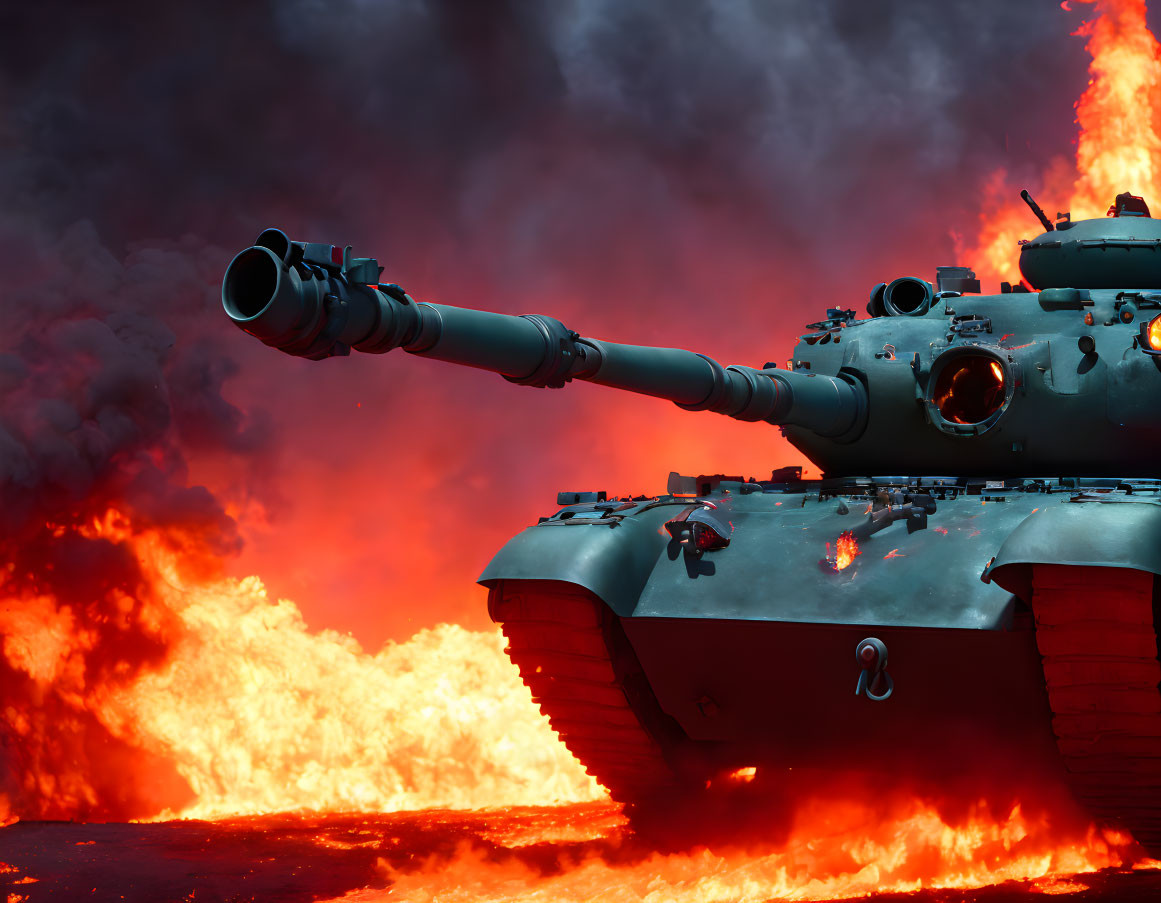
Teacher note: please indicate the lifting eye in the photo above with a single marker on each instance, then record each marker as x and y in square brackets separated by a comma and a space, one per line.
[968, 391]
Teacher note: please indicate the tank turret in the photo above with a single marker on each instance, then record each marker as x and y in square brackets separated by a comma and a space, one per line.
[936, 381]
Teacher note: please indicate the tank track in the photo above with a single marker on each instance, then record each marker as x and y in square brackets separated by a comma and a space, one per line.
[583, 674]
[1095, 627]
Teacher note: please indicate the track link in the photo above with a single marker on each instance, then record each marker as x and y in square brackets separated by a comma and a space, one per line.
[580, 670]
[1098, 640]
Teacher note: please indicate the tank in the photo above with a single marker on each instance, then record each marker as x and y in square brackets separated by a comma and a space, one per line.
[976, 570]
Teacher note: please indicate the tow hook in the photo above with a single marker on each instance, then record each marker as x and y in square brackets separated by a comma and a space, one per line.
[874, 681]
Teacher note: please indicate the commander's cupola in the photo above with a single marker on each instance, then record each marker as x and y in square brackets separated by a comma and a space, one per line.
[1122, 250]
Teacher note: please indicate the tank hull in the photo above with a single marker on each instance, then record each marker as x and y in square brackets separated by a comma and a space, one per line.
[745, 656]
[783, 694]
[776, 567]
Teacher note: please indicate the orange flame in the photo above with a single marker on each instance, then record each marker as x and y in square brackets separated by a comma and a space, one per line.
[846, 548]
[258, 714]
[1118, 146]
[835, 849]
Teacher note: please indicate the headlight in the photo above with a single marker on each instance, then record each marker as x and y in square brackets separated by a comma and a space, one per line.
[1150, 337]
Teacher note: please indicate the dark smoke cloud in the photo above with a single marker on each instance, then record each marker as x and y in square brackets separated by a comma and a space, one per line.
[387, 116]
[687, 173]
[97, 392]
[97, 400]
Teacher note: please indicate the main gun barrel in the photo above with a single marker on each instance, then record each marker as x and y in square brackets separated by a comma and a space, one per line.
[317, 301]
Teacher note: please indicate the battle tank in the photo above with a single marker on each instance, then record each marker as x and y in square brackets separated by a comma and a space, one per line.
[989, 515]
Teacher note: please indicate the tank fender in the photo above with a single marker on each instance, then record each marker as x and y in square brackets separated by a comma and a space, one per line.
[1119, 532]
[614, 562]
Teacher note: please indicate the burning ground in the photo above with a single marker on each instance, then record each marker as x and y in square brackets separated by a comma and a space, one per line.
[578, 852]
[248, 711]
[692, 178]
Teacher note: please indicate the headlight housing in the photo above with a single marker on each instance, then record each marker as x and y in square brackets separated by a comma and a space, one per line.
[1149, 338]
[969, 388]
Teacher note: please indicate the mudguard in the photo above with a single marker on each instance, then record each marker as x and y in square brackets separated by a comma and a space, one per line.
[772, 569]
[613, 562]
[1117, 532]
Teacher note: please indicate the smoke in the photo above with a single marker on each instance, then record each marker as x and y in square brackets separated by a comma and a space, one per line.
[708, 175]
[98, 400]
[404, 121]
